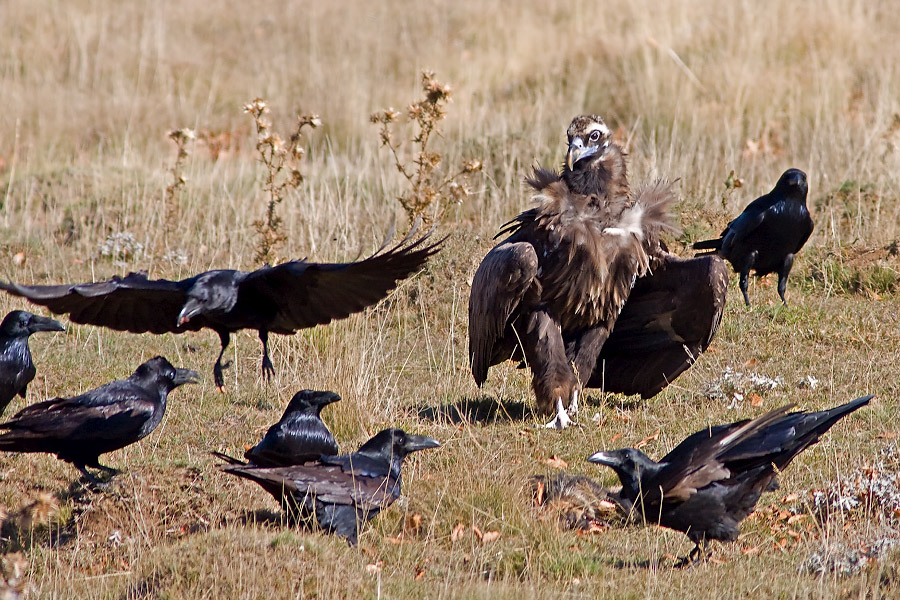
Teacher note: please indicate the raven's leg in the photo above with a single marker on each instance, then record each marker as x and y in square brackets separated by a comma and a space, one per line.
[552, 378]
[85, 474]
[743, 282]
[225, 339]
[96, 464]
[783, 275]
[267, 368]
[697, 554]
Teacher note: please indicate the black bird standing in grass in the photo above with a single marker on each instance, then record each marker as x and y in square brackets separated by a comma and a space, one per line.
[280, 299]
[767, 235]
[713, 479]
[16, 367]
[341, 492]
[554, 292]
[79, 429]
[299, 436]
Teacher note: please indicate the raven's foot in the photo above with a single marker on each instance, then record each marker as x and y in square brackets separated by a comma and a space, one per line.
[562, 419]
[217, 375]
[694, 558]
[268, 370]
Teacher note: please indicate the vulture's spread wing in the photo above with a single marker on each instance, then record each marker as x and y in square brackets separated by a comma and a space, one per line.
[669, 319]
[500, 283]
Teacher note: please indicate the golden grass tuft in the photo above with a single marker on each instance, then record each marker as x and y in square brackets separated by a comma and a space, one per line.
[696, 89]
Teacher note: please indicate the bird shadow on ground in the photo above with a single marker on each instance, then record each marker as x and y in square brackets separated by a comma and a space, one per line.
[652, 565]
[482, 409]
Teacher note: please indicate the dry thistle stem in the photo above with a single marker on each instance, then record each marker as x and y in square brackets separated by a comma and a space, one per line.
[181, 137]
[281, 160]
[427, 185]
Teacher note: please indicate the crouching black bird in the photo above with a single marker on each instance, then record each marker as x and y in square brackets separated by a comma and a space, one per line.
[767, 235]
[16, 367]
[279, 299]
[341, 492]
[713, 479]
[299, 436]
[566, 269]
[79, 429]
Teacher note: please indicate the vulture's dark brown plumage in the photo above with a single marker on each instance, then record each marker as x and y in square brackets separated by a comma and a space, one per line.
[552, 292]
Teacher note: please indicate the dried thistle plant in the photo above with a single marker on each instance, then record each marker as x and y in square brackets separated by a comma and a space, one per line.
[428, 186]
[181, 137]
[281, 160]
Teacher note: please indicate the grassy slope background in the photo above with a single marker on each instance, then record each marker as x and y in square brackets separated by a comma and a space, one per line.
[701, 88]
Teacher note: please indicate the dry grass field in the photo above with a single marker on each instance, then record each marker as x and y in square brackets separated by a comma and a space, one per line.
[696, 89]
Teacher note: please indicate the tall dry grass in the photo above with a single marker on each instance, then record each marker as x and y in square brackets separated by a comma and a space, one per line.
[697, 89]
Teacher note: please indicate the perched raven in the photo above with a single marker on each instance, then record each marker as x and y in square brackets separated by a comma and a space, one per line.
[300, 436]
[16, 367]
[552, 294]
[79, 429]
[767, 235]
[713, 479]
[279, 299]
[341, 492]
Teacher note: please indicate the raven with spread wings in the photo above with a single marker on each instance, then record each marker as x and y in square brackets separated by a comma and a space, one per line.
[280, 299]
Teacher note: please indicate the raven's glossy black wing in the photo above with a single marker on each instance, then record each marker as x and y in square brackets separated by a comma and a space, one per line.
[305, 294]
[131, 303]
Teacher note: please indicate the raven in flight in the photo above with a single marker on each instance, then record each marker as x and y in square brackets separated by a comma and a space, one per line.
[279, 299]
[299, 436]
[341, 492]
[713, 479]
[16, 367]
[551, 292]
[79, 429]
[767, 235]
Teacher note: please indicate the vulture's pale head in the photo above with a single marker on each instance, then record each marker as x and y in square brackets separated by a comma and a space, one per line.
[589, 139]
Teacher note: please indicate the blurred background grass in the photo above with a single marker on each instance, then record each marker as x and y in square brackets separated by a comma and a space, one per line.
[695, 90]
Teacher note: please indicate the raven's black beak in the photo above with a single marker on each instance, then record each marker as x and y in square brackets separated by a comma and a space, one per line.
[415, 443]
[39, 323]
[183, 376]
[326, 398]
[604, 458]
[190, 310]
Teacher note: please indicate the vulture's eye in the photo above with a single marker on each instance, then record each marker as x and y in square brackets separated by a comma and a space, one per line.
[595, 135]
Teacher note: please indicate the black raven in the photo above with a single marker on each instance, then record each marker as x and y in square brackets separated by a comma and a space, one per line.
[280, 299]
[79, 429]
[299, 436]
[16, 367]
[767, 235]
[341, 492]
[713, 479]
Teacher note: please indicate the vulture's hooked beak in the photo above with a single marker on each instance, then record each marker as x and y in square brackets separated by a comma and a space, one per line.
[578, 151]
[39, 323]
[183, 376]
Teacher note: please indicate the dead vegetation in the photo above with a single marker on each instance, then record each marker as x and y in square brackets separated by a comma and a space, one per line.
[698, 90]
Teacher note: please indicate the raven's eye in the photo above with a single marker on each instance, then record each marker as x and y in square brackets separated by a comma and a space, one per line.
[595, 135]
